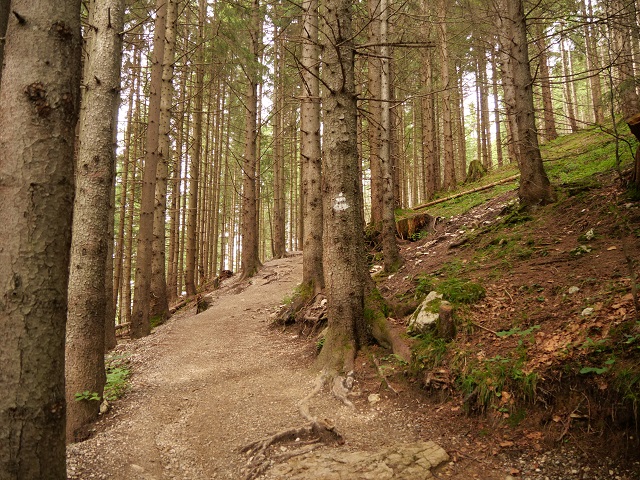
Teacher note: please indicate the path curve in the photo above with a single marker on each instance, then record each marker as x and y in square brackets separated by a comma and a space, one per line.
[207, 384]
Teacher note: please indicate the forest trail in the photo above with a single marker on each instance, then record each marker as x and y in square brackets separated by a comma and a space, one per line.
[205, 385]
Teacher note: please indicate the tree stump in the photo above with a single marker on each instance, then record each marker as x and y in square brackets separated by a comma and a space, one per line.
[476, 171]
[445, 325]
[407, 227]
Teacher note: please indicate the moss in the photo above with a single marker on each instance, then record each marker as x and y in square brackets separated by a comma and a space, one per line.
[157, 320]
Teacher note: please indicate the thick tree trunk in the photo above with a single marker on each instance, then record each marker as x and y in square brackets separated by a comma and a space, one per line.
[140, 325]
[344, 261]
[87, 304]
[535, 188]
[38, 112]
[310, 153]
[249, 255]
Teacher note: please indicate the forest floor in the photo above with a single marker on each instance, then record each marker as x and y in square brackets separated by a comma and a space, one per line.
[206, 385]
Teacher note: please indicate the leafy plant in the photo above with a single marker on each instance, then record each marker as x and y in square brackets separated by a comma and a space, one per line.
[118, 374]
[117, 383]
[87, 396]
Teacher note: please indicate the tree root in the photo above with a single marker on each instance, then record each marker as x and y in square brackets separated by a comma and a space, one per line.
[301, 440]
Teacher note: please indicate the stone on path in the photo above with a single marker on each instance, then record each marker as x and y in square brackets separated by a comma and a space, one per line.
[413, 461]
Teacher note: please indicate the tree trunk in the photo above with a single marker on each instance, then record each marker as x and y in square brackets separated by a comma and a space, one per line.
[550, 132]
[174, 277]
[311, 168]
[38, 112]
[568, 80]
[375, 115]
[535, 188]
[430, 152]
[392, 259]
[127, 162]
[140, 325]
[159, 307]
[249, 255]
[279, 209]
[85, 337]
[461, 143]
[593, 64]
[345, 267]
[196, 160]
[449, 179]
[496, 108]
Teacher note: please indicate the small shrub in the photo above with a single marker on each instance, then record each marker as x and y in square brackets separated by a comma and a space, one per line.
[457, 290]
[118, 373]
[425, 285]
[428, 353]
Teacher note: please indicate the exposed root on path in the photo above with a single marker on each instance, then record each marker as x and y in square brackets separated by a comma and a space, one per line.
[296, 441]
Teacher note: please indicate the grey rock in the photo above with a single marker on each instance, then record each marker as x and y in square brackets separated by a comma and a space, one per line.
[423, 319]
[412, 461]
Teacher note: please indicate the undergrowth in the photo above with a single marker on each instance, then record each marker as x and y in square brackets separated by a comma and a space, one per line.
[574, 164]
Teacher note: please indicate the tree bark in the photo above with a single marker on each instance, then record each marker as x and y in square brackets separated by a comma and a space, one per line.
[449, 178]
[159, 307]
[38, 111]
[535, 188]
[279, 208]
[593, 64]
[140, 325]
[550, 132]
[4, 18]
[430, 157]
[568, 81]
[392, 259]
[127, 162]
[85, 337]
[174, 279]
[496, 109]
[311, 168]
[344, 261]
[196, 159]
[249, 255]
[374, 122]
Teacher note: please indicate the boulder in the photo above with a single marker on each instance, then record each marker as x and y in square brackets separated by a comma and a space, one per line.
[426, 315]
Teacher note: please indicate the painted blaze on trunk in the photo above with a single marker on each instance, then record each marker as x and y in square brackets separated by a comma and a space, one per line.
[343, 241]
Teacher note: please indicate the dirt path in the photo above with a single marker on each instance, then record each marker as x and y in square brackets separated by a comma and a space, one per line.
[205, 385]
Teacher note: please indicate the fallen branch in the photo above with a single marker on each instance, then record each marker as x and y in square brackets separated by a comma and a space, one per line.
[485, 328]
[478, 189]
[173, 309]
